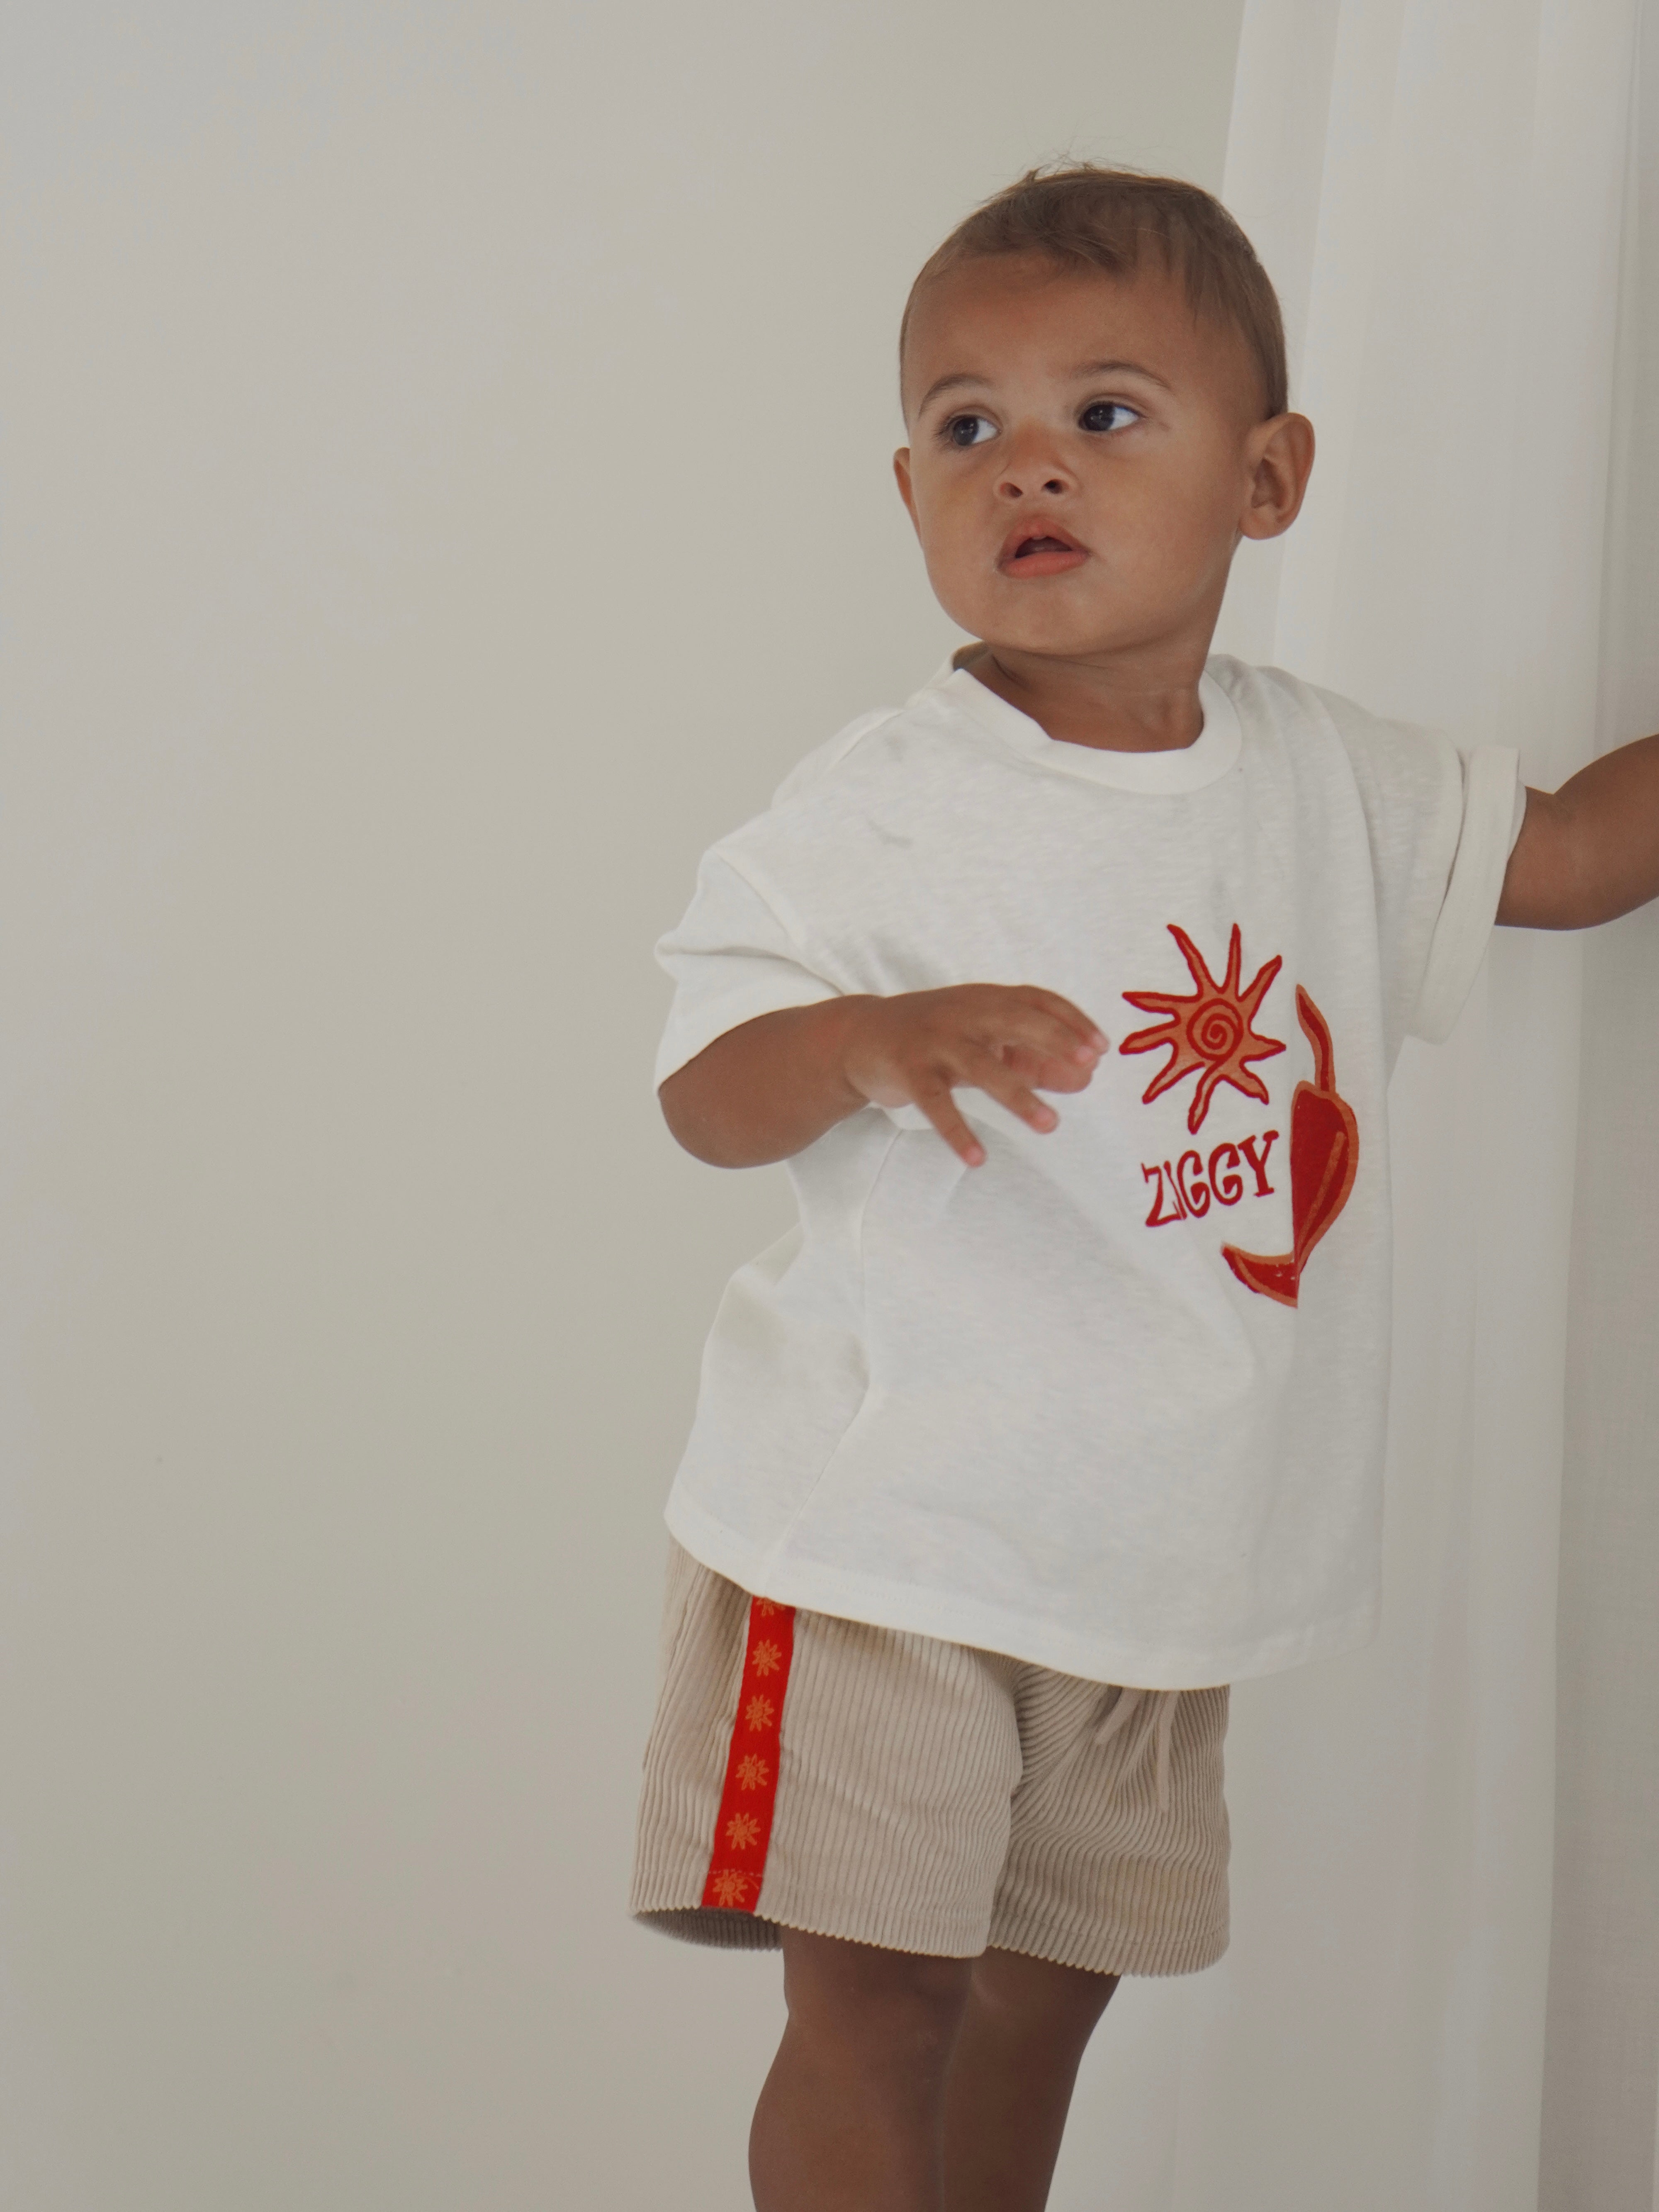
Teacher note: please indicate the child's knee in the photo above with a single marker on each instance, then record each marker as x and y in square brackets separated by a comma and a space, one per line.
[885, 2002]
[1022, 1999]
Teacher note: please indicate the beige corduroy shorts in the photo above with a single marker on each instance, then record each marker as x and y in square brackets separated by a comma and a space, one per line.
[814, 1773]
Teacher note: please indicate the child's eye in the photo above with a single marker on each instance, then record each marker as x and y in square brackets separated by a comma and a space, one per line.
[968, 430]
[1099, 414]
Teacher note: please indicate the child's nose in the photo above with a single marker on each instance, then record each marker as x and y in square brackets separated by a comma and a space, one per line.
[1013, 488]
[1032, 468]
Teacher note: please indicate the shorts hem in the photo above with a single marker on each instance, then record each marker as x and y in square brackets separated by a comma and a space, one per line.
[763, 1931]
[711, 1925]
[1147, 1957]
[1139, 1958]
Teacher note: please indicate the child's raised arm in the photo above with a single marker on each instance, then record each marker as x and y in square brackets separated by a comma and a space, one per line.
[1590, 851]
[770, 1087]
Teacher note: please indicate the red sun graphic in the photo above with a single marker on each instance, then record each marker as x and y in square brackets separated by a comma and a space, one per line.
[1209, 1031]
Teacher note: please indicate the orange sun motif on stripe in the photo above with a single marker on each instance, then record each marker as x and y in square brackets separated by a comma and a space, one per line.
[1209, 1030]
[743, 1824]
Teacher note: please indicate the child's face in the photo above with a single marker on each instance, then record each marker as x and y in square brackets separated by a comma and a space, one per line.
[1084, 456]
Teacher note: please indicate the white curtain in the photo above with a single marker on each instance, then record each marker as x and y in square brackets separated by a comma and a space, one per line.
[1602, 2068]
[1441, 190]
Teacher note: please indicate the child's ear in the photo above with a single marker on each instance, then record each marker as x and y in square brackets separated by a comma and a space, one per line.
[1279, 459]
[901, 473]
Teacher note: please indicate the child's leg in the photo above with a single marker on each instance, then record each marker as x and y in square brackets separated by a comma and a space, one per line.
[906, 2083]
[1023, 2032]
[850, 2119]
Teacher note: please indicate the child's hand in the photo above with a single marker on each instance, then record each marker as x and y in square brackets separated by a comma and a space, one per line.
[770, 1087]
[1009, 1042]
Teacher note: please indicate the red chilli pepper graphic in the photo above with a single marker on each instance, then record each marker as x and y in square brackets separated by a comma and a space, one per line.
[1324, 1155]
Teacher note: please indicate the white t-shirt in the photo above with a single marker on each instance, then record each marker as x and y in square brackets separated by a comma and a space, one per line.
[1113, 1401]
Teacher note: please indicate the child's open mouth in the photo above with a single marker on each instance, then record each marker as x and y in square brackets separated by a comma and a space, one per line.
[1045, 551]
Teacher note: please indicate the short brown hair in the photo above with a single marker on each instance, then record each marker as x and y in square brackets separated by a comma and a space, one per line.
[1110, 219]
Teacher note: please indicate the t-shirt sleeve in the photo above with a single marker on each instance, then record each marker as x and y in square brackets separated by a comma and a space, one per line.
[1442, 821]
[732, 958]
[1493, 798]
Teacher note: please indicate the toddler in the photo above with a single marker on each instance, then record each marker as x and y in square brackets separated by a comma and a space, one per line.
[1040, 1428]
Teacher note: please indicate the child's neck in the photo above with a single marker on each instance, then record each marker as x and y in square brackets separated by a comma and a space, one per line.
[1145, 706]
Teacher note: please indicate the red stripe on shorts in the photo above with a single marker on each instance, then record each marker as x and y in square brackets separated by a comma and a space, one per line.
[743, 1832]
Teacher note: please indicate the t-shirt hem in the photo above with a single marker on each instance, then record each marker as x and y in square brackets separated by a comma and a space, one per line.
[768, 1571]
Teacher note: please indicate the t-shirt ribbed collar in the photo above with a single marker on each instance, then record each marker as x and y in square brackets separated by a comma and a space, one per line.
[1186, 768]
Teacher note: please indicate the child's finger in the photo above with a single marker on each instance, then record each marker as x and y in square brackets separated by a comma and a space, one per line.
[1070, 1017]
[937, 1103]
[1043, 1072]
[1035, 1029]
[991, 1074]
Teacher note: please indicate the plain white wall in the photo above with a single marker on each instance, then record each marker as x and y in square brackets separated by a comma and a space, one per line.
[446, 462]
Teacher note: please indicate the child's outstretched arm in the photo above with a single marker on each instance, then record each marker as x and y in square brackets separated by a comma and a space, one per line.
[1590, 851]
[767, 1089]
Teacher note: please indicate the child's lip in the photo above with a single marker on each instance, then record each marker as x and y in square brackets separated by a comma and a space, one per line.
[1048, 549]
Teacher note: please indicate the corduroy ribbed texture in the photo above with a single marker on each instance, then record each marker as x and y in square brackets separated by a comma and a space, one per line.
[936, 1798]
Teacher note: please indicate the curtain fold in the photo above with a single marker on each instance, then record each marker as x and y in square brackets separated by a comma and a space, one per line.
[1601, 2067]
[1438, 192]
